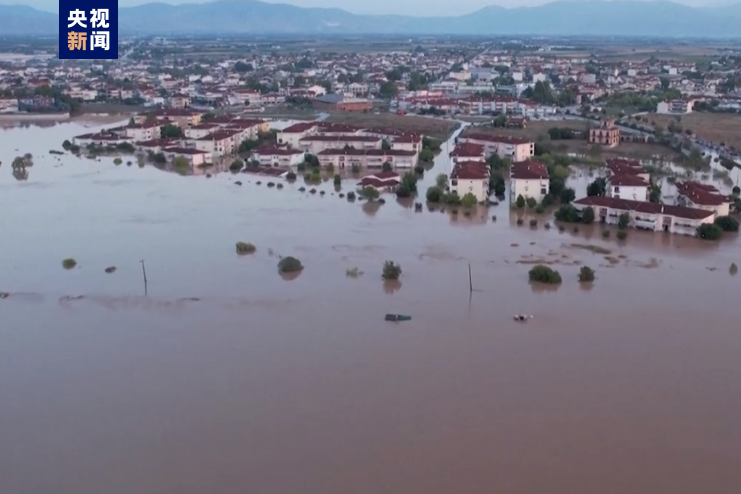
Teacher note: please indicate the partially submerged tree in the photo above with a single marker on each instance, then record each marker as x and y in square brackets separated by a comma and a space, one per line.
[586, 274]
[544, 274]
[289, 265]
[391, 271]
[245, 248]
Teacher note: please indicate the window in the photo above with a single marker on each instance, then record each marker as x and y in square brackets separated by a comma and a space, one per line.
[616, 190]
[454, 182]
[543, 191]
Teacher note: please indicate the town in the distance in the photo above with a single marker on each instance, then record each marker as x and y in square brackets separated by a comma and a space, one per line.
[586, 131]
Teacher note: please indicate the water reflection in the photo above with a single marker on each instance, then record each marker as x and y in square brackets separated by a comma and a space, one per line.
[543, 287]
[20, 174]
[370, 208]
[290, 276]
[391, 286]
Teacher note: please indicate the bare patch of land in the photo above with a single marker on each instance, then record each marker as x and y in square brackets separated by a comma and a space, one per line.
[433, 127]
[714, 127]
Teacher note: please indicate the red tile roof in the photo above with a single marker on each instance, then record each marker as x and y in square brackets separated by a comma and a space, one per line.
[341, 138]
[622, 166]
[378, 183]
[384, 175]
[644, 207]
[496, 138]
[529, 170]
[468, 149]
[628, 181]
[470, 170]
[702, 194]
[300, 127]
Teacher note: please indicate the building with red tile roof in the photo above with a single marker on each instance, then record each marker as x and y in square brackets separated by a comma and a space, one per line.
[647, 215]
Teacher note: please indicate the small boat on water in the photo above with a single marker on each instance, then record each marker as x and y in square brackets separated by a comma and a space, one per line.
[398, 317]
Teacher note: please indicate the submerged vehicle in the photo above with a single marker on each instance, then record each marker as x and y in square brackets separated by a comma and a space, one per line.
[398, 317]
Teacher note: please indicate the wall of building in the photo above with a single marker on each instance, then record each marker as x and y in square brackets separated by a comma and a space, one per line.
[535, 188]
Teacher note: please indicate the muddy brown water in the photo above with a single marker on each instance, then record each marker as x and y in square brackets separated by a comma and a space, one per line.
[230, 379]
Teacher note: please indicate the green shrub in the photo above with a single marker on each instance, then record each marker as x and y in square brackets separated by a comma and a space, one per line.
[337, 180]
[469, 200]
[69, 263]
[587, 215]
[623, 221]
[586, 274]
[434, 194]
[290, 176]
[727, 223]
[544, 274]
[567, 213]
[622, 235]
[539, 209]
[289, 265]
[709, 231]
[351, 196]
[117, 161]
[370, 193]
[236, 166]
[245, 248]
[531, 202]
[402, 191]
[520, 202]
[452, 199]
[301, 167]
[391, 271]
[441, 180]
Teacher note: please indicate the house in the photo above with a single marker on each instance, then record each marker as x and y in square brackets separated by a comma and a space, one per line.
[647, 215]
[606, 134]
[468, 152]
[341, 102]
[315, 144]
[623, 166]
[158, 145]
[219, 143]
[372, 158]
[103, 138]
[178, 116]
[703, 196]
[194, 156]
[514, 148]
[633, 187]
[529, 179]
[292, 134]
[144, 131]
[179, 101]
[200, 130]
[277, 156]
[677, 106]
[381, 181]
[470, 177]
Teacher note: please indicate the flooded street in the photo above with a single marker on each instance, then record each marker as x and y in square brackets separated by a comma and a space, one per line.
[229, 379]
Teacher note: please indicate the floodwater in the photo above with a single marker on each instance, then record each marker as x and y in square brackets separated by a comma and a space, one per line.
[229, 379]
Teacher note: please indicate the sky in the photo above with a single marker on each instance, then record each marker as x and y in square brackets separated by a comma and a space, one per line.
[403, 7]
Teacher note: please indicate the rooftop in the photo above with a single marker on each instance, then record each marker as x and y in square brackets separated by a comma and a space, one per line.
[645, 207]
[529, 170]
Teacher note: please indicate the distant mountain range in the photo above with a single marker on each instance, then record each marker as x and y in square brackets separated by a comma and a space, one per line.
[560, 18]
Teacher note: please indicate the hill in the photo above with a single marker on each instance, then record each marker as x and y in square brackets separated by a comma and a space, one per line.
[567, 17]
